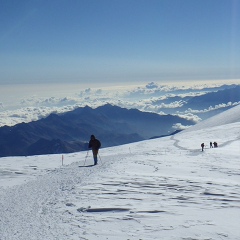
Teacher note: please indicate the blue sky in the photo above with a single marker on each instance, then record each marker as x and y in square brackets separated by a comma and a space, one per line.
[121, 41]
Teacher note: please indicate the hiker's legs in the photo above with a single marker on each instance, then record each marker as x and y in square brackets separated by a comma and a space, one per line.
[95, 153]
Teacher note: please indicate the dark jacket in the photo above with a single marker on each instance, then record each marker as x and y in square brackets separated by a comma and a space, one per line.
[94, 143]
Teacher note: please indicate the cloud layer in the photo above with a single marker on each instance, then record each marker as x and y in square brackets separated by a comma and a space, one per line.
[30, 105]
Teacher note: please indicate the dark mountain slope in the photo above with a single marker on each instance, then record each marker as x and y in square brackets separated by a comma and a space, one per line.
[70, 131]
[214, 98]
[144, 123]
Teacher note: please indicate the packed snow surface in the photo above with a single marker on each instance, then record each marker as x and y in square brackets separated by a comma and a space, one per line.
[164, 188]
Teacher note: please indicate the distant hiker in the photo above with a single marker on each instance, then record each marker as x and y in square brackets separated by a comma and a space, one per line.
[215, 144]
[211, 146]
[95, 144]
[202, 146]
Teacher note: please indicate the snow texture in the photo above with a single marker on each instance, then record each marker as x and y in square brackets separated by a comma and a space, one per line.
[165, 188]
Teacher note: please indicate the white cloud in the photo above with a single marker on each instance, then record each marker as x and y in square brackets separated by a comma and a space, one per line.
[161, 99]
[179, 126]
[211, 108]
[151, 85]
[189, 116]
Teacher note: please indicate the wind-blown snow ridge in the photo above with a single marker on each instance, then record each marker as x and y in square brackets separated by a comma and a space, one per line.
[163, 188]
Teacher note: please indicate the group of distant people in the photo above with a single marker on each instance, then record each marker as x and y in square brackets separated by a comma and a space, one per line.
[212, 145]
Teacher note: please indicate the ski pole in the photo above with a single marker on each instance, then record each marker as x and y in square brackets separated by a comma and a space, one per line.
[100, 158]
[86, 158]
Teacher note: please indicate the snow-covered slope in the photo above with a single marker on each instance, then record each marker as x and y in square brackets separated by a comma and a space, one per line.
[164, 188]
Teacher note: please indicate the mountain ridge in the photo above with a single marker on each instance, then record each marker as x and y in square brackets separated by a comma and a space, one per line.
[70, 131]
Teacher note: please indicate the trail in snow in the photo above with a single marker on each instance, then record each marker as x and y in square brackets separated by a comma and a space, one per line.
[28, 210]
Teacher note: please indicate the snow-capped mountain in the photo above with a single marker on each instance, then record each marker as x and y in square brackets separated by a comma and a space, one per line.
[166, 188]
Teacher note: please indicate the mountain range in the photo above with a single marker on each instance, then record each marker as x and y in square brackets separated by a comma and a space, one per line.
[70, 131]
[204, 104]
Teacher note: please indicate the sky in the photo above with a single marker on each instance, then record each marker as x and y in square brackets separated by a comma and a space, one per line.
[165, 188]
[118, 41]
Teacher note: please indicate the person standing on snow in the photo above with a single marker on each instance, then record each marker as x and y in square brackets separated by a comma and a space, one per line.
[95, 144]
[202, 145]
